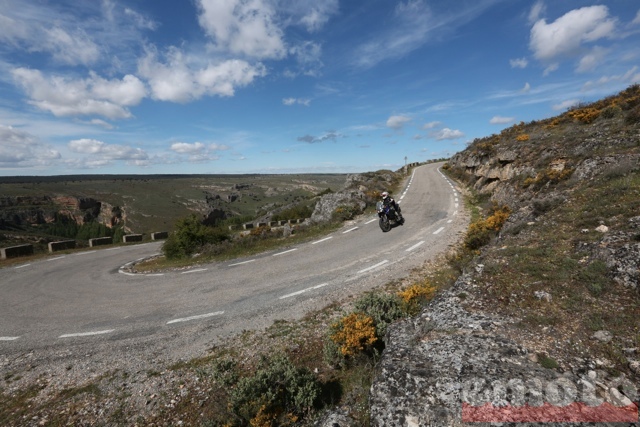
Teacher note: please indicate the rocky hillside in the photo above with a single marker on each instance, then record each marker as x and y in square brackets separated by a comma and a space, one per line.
[547, 311]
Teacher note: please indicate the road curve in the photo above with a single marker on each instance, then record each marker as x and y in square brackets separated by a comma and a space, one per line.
[88, 299]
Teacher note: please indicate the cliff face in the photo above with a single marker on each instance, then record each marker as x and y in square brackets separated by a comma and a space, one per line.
[17, 212]
[553, 299]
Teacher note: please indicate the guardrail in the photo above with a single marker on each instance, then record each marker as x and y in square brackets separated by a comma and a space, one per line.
[61, 245]
[16, 251]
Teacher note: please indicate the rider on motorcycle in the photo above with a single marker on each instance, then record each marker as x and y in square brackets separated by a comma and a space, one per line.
[388, 201]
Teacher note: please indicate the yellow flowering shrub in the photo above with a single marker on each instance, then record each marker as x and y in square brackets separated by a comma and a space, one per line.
[354, 333]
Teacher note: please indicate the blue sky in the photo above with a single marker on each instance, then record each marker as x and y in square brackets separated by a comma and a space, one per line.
[292, 86]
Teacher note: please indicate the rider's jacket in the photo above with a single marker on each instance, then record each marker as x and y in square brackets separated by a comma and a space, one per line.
[390, 202]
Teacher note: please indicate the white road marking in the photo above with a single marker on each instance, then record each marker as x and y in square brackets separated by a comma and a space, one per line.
[87, 334]
[450, 221]
[8, 338]
[243, 262]
[86, 253]
[369, 222]
[349, 230]
[23, 266]
[114, 248]
[322, 240]
[415, 246]
[153, 275]
[58, 257]
[126, 273]
[303, 291]
[285, 252]
[199, 316]
[438, 230]
[456, 206]
[194, 271]
[374, 266]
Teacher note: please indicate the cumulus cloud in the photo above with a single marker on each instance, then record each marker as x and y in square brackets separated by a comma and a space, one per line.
[92, 96]
[567, 34]
[294, 101]
[308, 56]
[311, 14]
[329, 136]
[499, 120]
[431, 125]
[397, 122]
[447, 133]
[526, 88]
[243, 27]
[19, 149]
[186, 148]
[177, 79]
[519, 63]
[102, 152]
[592, 59]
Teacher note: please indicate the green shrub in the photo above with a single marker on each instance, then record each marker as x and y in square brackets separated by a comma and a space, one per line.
[345, 212]
[190, 236]
[595, 277]
[548, 362]
[382, 308]
[296, 212]
[277, 391]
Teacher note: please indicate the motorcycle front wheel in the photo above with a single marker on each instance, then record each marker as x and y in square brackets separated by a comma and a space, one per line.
[385, 225]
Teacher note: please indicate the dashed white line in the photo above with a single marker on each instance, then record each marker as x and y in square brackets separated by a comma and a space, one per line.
[374, 266]
[199, 316]
[85, 253]
[438, 230]
[23, 266]
[8, 338]
[87, 334]
[369, 222]
[285, 252]
[303, 291]
[243, 262]
[322, 240]
[415, 246]
[450, 221]
[56, 258]
[194, 271]
[349, 230]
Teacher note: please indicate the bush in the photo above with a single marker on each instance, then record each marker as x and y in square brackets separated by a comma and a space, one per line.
[382, 308]
[594, 277]
[345, 212]
[296, 212]
[354, 333]
[522, 137]
[418, 293]
[278, 393]
[190, 236]
[481, 231]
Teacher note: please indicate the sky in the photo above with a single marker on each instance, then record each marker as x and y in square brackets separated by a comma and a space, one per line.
[292, 86]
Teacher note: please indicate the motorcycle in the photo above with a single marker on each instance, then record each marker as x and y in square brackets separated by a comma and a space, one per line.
[388, 217]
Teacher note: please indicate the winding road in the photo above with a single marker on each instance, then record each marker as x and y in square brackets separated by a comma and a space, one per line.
[87, 298]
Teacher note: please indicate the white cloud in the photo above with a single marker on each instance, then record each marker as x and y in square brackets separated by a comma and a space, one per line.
[186, 148]
[431, 125]
[329, 136]
[592, 59]
[92, 96]
[526, 88]
[140, 20]
[314, 14]
[102, 152]
[102, 123]
[636, 20]
[19, 149]
[499, 120]
[293, 101]
[218, 147]
[550, 69]
[566, 104]
[245, 27]
[519, 63]
[537, 10]
[178, 80]
[565, 36]
[308, 57]
[397, 122]
[411, 24]
[632, 76]
[447, 133]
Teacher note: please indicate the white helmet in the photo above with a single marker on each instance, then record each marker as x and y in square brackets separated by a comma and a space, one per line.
[385, 194]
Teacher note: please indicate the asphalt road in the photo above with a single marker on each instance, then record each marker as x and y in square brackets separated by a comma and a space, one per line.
[87, 299]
